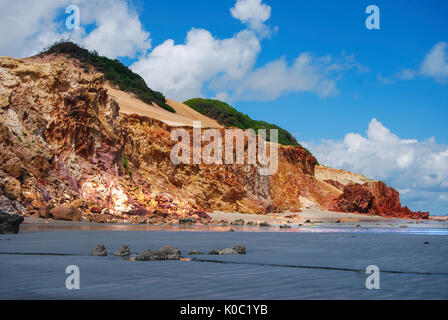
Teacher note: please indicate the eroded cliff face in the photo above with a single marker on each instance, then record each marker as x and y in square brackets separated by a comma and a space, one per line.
[68, 153]
[66, 147]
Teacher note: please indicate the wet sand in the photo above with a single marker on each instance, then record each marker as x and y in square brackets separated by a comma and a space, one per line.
[278, 265]
[320, 259]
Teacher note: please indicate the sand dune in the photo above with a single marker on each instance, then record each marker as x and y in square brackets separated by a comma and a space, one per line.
[184, 115]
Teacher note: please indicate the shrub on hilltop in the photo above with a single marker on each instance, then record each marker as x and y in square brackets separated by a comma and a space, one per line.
[114, 71]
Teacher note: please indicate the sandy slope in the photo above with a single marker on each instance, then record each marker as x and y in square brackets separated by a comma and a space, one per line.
[184, 115]
[129, 104]
[342, 176]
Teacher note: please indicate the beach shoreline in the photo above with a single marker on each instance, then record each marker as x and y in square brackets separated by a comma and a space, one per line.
[227, 221]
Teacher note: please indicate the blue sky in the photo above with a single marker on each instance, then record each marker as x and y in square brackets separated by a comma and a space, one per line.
[409, 29]
[371, 101]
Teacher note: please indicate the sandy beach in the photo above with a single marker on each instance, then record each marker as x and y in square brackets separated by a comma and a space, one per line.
[224, 221]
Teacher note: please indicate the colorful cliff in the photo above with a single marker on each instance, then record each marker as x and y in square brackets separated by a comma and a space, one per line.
[68, 152]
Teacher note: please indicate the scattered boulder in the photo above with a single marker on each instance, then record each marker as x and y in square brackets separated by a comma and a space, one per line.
[44, 210]
[251, 223]
[187, 221]
[202, 215]
[146, 255]
[168, 253]
[231, 230]
[264, 224]
[195, 252]
[228, 251]
[68, 213]
[164, 253]
[124, 251]
[98, 218]
[7, 206]
[238, 222]
[285, 226]
[10, 223]
[99, 251]
[239, 248]
[12, 189]
[236, 249]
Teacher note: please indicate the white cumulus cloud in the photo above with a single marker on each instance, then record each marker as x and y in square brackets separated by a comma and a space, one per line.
[254, 13]
[317, 74]
[435, 64]
[420, 168]
[28, 26]
[307, 73]
[180, 70]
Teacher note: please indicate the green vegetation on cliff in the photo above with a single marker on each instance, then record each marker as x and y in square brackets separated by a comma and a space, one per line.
[114, 71]
[230, 117]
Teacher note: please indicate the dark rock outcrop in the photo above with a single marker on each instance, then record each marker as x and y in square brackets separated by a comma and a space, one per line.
[164, 253]
[238, 222]
[236, 249]
[124, 251]
[146, 255]
[10, 223]
[99, 250]
[239, 248]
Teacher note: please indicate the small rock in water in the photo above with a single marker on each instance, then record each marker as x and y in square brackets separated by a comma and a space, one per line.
[264, 224]
[195, 252]
[99, 250]
[238, 222]
[236, 249]
[285, 226]
[124, 251]
[228, 251]
[426, 242]
[164, 253]
[146, 255]
[239, 248]
[231, 230]
[168, 253]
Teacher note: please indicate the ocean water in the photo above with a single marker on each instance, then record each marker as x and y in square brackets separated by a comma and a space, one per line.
[310, 263]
